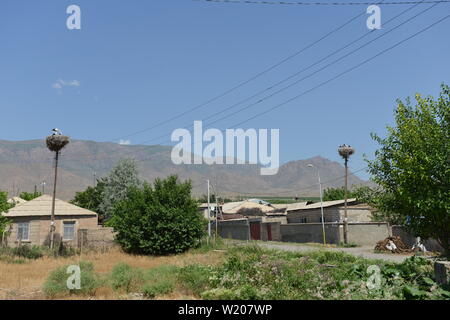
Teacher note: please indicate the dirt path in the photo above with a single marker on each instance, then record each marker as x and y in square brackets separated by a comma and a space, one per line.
[364, 252]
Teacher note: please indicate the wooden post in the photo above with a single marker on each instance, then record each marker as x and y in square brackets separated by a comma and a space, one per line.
[52, 223]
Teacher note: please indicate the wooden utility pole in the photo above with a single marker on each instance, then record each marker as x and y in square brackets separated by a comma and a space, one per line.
[56, 142]
[345, 152]
[345, 203]
[52, 223]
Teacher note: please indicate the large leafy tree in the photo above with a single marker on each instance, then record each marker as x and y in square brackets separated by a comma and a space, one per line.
[412, 167]
[158, 219]
[116, 184]
[91, 198]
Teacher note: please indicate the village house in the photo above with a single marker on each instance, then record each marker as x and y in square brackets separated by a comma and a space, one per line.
[30, 222]
[333, 211]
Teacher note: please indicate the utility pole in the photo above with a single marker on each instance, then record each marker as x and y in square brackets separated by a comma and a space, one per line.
[52, 223]
[43, 186]
[321, 203]
[35, 190]
[56, 142]
[95, 179]
[209, 213]
[345, 152]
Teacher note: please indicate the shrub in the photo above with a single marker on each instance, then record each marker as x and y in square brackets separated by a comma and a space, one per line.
[56, 282]
[160, 280]
[27, 251]
[125, 278]
[158, 220]
[151, 290]
[195, 278]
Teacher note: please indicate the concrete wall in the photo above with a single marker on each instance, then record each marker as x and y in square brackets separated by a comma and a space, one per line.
[410, 240]
[39, 229]
[355, 213]
[363, 234]
[96, 238]
[309, 232]
[366, 233]
[233, 229]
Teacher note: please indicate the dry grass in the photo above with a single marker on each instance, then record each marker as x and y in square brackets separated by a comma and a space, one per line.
[24, 281]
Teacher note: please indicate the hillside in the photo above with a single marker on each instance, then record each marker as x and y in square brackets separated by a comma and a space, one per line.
[24, 164]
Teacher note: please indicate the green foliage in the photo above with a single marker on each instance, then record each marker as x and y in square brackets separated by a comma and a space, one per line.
[160, 280]
[195, 277]
[56, 283]
[361, 193]
[116, 185]
[29, 196]
[4, 207]
[125, 278]
[158, 220]
[28, 252]
[412, 167]
[255, 273]
[91, 198]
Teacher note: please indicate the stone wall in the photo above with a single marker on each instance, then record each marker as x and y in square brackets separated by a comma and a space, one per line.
[100, 237]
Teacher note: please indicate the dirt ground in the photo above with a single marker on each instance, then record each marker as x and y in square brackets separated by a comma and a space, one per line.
[24, 281]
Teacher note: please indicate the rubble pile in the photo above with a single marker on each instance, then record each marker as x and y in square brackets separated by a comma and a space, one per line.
[392, 244]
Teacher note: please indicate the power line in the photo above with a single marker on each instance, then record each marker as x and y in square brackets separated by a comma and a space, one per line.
[344, 72]
[302, 70]
[333, 78]
[243, 83]
[318, 3]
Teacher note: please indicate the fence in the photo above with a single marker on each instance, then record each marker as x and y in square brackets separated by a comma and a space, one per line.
[361, 233]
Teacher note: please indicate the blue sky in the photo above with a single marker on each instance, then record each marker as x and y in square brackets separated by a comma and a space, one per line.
[136, 63]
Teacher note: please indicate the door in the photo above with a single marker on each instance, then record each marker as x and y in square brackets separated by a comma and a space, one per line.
[269, 232]
[255, 230]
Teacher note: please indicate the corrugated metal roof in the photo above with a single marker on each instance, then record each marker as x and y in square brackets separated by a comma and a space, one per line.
[42, 206]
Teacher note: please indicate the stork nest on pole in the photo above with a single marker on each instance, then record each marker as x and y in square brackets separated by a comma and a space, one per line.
[346, 151]
[57, 142]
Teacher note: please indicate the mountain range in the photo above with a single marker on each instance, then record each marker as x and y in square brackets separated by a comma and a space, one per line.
[26, 164]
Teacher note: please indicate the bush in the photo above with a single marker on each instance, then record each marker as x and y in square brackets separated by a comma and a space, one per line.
[151, 290]
[160, 280]
[56, 282]
[28, 252]
[158, 220]
[125, 278]
[195, 278]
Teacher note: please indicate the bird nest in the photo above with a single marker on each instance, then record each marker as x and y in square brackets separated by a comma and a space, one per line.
[57, 142]
[346, 151]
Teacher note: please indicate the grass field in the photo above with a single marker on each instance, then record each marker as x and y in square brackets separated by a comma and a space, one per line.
[25, 280]
[225, 272]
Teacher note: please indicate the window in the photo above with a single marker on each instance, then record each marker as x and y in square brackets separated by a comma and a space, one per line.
[303, 220]
[22, 231]
[69, 230]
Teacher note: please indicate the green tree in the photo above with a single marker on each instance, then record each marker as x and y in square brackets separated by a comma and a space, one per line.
[29, 195]
[116, 184]
[158, 219]
[358, 192]
[91, 198]
[412, 167]
[4, 207]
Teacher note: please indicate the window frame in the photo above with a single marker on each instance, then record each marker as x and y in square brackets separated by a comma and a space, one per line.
[20, 228]
[73, 224]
